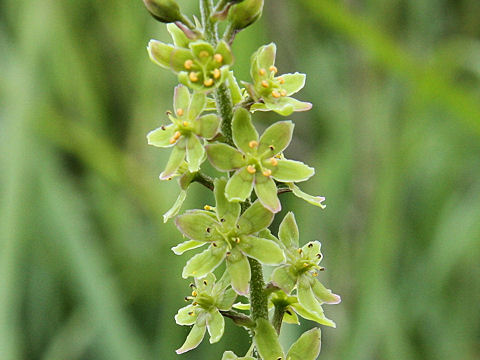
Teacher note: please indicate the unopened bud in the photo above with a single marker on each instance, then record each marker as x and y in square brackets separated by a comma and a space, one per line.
[245, 13]
[166, 11]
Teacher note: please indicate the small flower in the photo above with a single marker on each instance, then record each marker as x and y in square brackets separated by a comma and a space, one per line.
[257, 161]
[271, 91]
[231, 236]
[208, 298]
[198, 65]
[301, 271]
[187, 132]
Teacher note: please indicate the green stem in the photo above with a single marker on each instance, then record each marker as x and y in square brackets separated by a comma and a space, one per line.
[204, 179]
[258, 299]
[225, 109]
[278, 318]
[210, 28]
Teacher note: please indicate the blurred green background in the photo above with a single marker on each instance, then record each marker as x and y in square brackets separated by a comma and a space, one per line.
[86, 270]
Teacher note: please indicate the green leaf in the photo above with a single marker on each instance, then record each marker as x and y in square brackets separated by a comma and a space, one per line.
[293, 82]
[288, 231]
[313, 200]
[254, 219]
[160, 53]
[194, 338]
[266, 191]
[266, 341]
[197, 105]
[202, 51]
[277, 135]
[307, 347]
[181, 99]
[324, 294]
[229, 211]
[197, 225]
[287, 105]
[173, 211]
[265, 251]
[215, 325]
[207, 126]
[186, 315]
[176, 158]
[239, 186]
[243, 130]
[161, 137]
[178, 36]
[224, 157]
[291, 171]
[187, 245]
[239, 271]
[204, 263]
[195, 153]
[283, 278]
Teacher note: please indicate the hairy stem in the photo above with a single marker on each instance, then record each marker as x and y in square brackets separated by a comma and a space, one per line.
[278, 318]
[225, 109]
[258, 298]
[239, 318]
[206, 9]
[203, 179]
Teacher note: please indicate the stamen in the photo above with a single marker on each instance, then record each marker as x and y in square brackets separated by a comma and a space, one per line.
[180, 112]
[253, 144]
[193, 76]
[214, 244]
[194, 293]
[208, 229]
[172, 140]
[203, 53]
[310, 245]
[251, 169]
[283, 92]
[188, 64]
[299, 251]
[186, 123]
[217, 73]
[237, 240]
[288, 312]
[265, 83]
[319, 255]
[208, 82]
[281, 80]
[205, 282]
[177, 135]
[315, 273]
[274, 161]
[222, 220]
[267, 172]
[192, 285]
[262, 72]
[218, 58]
[275, 94]
[273, 68]
[228, 253]
[305, 264]
[321, 269]
[190, 313]
[271, 147]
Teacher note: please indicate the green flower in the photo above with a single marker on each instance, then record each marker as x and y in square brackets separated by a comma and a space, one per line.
[273, 92]
[301, 270]
[187, 132]
[231, 236]
[208, 298]
[257, 162]
[198, 65]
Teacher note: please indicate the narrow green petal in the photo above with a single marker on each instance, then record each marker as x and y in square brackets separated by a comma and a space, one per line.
[313, 200]
[243, 130]
[288, 231]
[265, 251]
[277, 135]
[266, 56]
[259, 107]
[160, 53]
[178, 36]
[310, 315]
[254, 219]
[266, 191]
[161, 137]
[266, 341]
[283, 278]
[187, 245]
[194, 338]
[176, 158]
[224, 157]
[228, 298]
[215, 325]
[235, 90]
[291, 171]
[307, 347]
[195, 153]
[204, 263]
[197, 105]
[178, 58]
[239, 270]
[312, 250]
[229, 211]
[173, 211]
[307, 299]
[181, 98]
[239, 186]
[224, 49]
[186, 315]
[293, 82]
[267, 234]
[286, 106]
[196, 225]
[324, 294]
[207, 126]
[229, 355]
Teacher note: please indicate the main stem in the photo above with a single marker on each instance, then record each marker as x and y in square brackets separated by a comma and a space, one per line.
[258, 298]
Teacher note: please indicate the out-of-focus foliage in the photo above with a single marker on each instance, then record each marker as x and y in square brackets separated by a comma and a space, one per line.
[86, 270]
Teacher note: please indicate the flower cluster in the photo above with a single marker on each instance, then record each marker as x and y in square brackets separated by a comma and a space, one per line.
[212, 119]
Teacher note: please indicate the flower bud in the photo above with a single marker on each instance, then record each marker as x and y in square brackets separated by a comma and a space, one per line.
[245, 13]
[166, 11]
